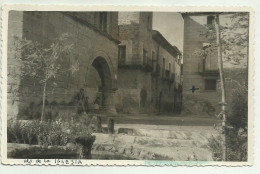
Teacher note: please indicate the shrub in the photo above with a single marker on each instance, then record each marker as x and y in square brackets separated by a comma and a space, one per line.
[14, 131]
[236, 130]
[215, 146]
[238, 117]
[46, 133]
[236, 145]
[22, 131]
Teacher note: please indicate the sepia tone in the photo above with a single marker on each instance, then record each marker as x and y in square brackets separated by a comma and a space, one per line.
[122, 91]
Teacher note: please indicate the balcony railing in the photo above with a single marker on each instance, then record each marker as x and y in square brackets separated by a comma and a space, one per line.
[137, 64]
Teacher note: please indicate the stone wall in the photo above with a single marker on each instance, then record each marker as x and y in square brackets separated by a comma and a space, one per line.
[128, 96]
[15, 28]
[89, 43]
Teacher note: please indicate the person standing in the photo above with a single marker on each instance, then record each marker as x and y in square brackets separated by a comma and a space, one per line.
[97, 104]
[81, 102]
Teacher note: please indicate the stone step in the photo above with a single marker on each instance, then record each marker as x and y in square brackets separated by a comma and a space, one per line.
[112, 139]
[156, 153]
[157, 144]
[202, 136]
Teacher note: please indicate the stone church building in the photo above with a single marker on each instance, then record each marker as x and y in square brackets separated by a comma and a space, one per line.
[95, 39]
[122, 61]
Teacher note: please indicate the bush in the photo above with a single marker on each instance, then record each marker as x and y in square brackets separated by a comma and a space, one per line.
[238, 117]
[215, 146]
[46, 133]
[236, 130]
[22, 132]
[236, 145]
[237, 120]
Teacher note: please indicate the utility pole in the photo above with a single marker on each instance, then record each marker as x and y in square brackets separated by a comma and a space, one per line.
[222, 84]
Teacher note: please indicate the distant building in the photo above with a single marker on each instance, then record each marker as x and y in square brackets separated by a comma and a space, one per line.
[199, 71]
[149, 67]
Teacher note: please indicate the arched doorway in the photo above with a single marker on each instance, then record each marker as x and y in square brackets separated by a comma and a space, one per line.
[106, 86]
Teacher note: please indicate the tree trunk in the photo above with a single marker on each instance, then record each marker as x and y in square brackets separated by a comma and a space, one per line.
[43, 99]
[222, 84]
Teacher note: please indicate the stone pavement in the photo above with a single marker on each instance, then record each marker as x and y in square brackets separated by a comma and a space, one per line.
[165, 119]
[172, 138]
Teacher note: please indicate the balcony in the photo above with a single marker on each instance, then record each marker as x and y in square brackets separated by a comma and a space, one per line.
[207, 67]
[137, 64]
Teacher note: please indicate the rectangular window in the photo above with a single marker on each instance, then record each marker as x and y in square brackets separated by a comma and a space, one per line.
[103, 21]
[121, 54]
[210, 84]
[170, 67]
[210, 20]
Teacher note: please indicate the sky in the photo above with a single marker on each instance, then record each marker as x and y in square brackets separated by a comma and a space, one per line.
[171, 26]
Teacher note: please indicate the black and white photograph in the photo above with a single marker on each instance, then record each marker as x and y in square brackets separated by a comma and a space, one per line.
[138, 87]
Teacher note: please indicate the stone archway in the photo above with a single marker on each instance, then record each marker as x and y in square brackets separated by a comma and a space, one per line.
[106, 89]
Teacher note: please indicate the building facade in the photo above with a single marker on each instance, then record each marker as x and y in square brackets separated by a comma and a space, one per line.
[95, 39]
[122, 61]
[148, 67]
[199, 71]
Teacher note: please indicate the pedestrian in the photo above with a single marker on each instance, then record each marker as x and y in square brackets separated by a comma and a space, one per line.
[96, 105]
[81, 102]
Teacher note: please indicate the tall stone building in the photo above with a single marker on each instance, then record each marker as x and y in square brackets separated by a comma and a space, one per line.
[95, 39]
[149, 67]
[200, 72]
[122, 61]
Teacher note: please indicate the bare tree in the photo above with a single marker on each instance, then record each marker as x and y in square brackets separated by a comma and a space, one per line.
[231, 42]
[43, 63]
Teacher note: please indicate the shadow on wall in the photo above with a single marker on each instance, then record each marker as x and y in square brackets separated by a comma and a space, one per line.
[52, 110]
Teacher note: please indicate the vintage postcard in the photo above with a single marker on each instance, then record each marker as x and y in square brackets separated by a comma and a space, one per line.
[115, 85]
